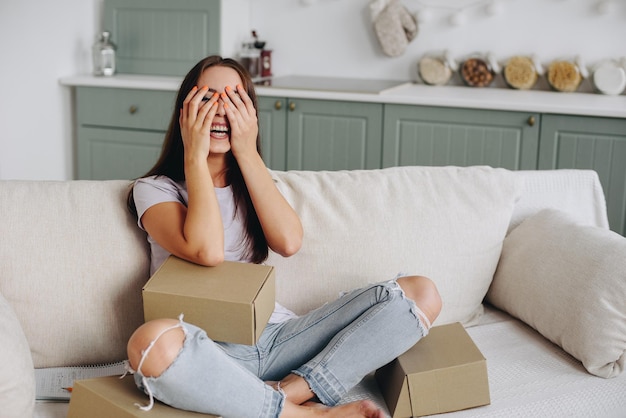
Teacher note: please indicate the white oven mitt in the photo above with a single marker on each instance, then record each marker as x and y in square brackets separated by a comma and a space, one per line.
[394, 25]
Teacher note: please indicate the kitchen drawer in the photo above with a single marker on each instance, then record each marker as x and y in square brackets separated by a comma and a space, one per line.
[124, 108]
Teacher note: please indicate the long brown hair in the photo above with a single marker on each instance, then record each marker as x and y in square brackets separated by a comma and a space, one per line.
[171, 160]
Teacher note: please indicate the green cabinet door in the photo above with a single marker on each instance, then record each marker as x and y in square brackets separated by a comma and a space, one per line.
[273, 130]
[163, 37]
[120, 131]
[107, 154]
[436, 136]
[590, 143]
[333, 135]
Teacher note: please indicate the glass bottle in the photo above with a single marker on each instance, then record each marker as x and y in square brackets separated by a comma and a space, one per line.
[104, 55]
[250, 58]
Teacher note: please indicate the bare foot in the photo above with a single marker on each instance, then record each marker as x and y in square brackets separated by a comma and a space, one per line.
[358, 409]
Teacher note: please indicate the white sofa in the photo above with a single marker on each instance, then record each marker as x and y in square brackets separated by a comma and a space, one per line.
[72, 265]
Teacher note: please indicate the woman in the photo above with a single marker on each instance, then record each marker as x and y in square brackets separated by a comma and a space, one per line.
[210, 198]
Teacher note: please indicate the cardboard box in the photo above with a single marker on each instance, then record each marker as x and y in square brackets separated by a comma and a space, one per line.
[443, 372]
[232, 302]
[106, 397]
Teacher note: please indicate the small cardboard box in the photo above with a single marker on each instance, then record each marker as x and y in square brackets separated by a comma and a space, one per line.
[443, 372]
[106, 397]
[232, 302]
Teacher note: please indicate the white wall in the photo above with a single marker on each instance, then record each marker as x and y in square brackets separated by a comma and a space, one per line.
[42, 41]
[336, 37]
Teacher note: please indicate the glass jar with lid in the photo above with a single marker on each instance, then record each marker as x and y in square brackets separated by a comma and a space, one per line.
[565, 75]
[436, 68]
[479, 70]
[609, 76]
[104, 55]
[521, 72]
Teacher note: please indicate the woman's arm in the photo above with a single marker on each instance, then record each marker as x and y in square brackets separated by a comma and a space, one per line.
[195, 232]
[281, 225]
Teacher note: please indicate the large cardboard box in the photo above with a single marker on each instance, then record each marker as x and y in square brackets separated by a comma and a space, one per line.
[443, 372]
[107, 397]
[232, 302]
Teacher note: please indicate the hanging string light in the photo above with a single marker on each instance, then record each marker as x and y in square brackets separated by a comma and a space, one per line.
[458, 14]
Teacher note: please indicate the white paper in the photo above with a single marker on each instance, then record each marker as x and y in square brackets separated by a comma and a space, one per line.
[55, 383]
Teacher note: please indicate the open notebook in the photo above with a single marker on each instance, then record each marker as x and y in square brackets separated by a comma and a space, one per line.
[55, 383]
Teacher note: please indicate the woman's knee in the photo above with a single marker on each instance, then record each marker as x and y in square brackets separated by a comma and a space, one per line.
[424, 293]
[168, 340]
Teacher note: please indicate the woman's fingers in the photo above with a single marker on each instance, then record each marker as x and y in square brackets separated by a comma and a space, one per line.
[208, 109]
[197, 106]
[195, 120]
[193, 102]
[242, 118]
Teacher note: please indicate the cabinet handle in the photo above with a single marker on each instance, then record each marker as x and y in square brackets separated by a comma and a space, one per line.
[278, 105]
[292, 106]
[132, 110]
[531, 121]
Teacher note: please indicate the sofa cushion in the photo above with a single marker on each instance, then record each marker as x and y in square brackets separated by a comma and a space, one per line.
[446, 223]
[17, 379]
[568, 281]
[73, 269]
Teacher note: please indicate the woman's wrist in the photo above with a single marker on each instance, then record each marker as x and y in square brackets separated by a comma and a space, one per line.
[195, 162]
[249, 158]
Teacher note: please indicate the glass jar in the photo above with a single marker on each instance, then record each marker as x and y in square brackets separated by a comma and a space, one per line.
[521, 72]
[609, 77]
[478, 70]
[436, 69]
[104, 55]
[250, 58]
[565, 75]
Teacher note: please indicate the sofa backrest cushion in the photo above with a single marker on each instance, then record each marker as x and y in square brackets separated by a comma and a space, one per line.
[575, 192]
[72, 266]
[446, 223]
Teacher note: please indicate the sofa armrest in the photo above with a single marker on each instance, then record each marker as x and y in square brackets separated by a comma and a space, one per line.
[17, 375]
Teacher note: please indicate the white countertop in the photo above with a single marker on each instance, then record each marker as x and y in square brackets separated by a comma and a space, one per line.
[397, 92]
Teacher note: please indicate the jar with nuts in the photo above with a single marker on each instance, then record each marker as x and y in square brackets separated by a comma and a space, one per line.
[435, 68]
[565, 75]
[478, 70]
[521, 72]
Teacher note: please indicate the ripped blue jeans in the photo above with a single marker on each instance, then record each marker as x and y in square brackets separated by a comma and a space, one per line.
[333, 348]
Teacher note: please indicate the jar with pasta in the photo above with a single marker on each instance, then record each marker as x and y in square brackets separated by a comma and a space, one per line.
[478, 70]
[609, 77]
[436, 68]
[521, 72]
[565, 75]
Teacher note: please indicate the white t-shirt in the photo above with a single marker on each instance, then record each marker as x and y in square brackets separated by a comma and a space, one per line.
[150, 191]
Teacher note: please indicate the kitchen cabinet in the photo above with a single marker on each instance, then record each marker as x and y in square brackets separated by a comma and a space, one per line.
[273, 130]
[590, 143]
[164, 37]
[120, 131]
[435, 136]
[321, 134]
